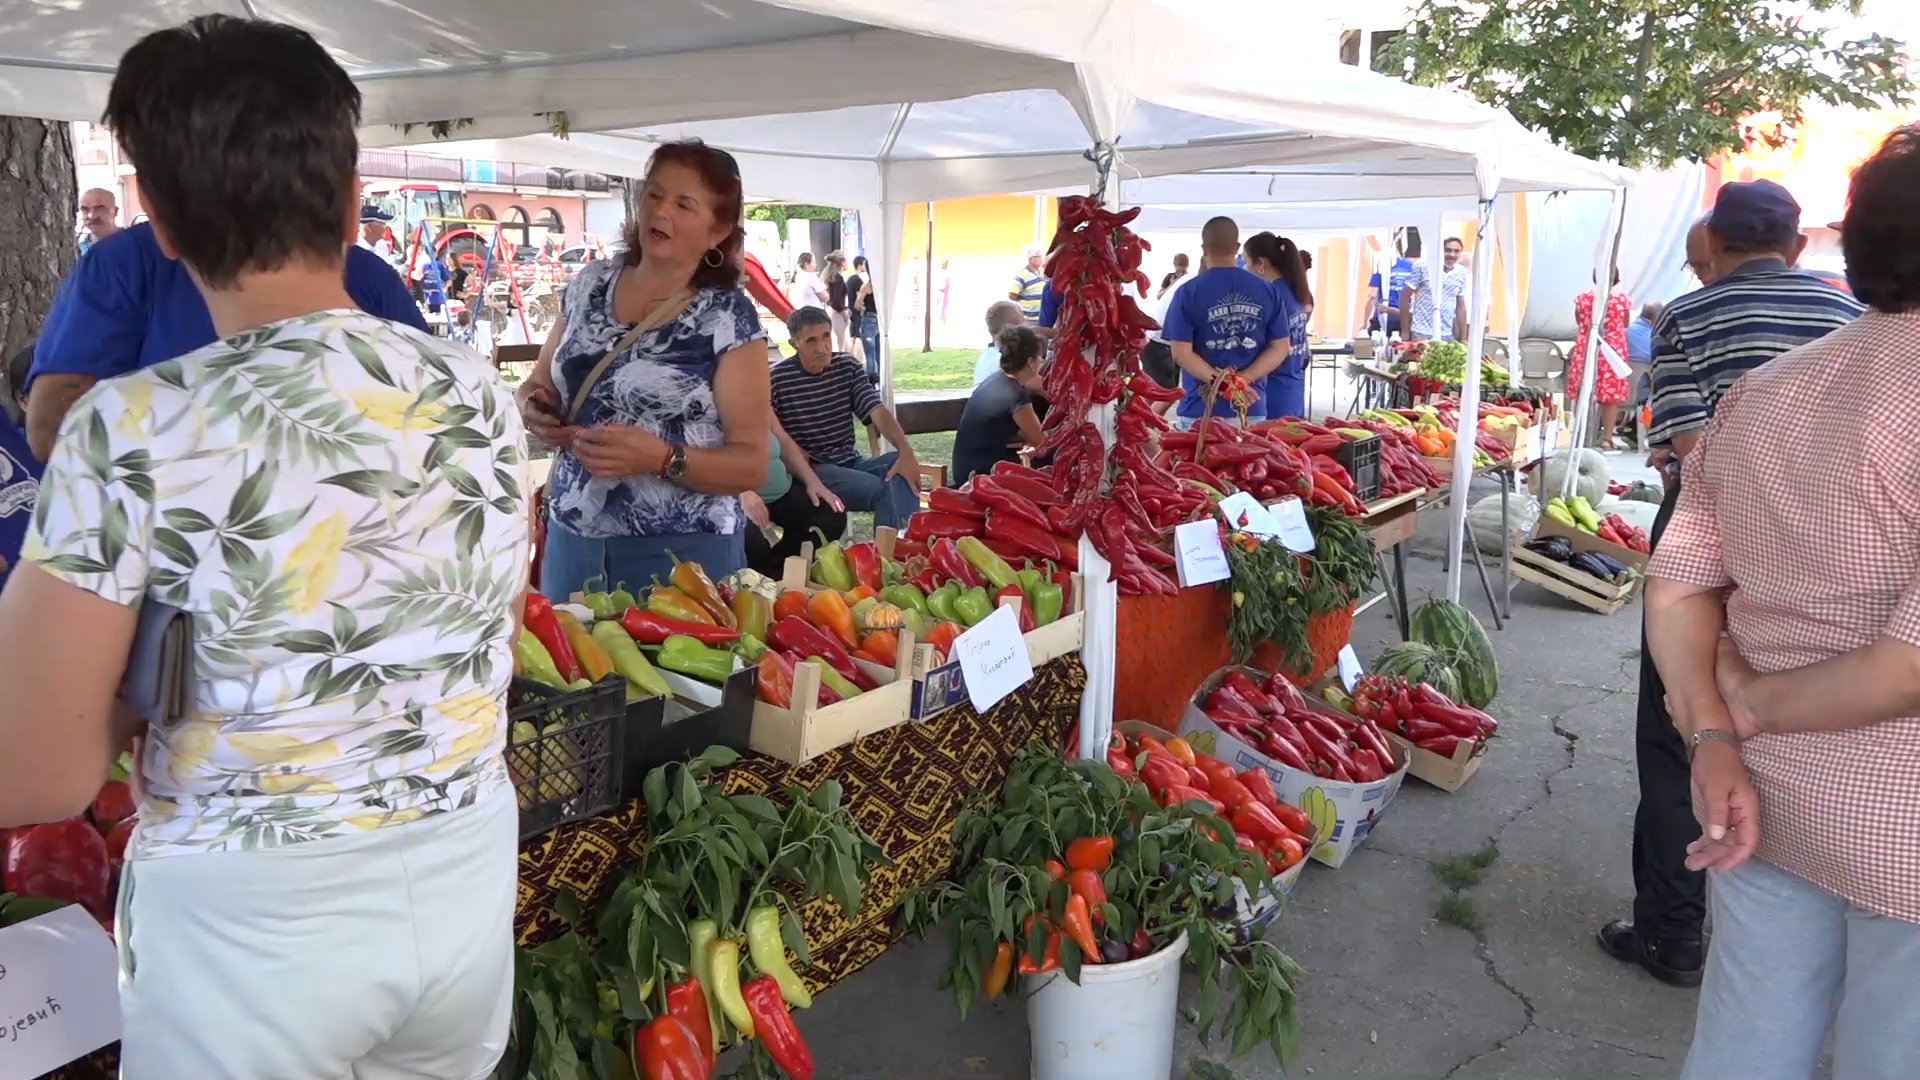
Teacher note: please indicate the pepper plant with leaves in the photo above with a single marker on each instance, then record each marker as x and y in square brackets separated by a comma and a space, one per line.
[1172, 871]
[1340, 568]
[1649, 83]
[1270, 602]
[708, 856]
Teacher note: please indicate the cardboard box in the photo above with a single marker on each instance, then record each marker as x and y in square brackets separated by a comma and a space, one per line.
[804, 732]
[1342, 814]
[1254, 912]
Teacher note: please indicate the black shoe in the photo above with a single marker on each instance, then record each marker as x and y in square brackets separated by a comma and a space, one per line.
[1674, 961]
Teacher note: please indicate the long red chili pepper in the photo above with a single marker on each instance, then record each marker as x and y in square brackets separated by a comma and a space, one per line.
[647, 628]
[546, 627]
[774, 1027]
[950, 564]
[998, 498]
[929, 525]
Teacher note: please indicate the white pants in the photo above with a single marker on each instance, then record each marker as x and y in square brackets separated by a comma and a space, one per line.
[1791, 962]
[842, 331]
[385, 955]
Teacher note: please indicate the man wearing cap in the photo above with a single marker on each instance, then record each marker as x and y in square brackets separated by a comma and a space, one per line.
[1030, 285]
[1756, 307]
[373, 234]
[128, 306]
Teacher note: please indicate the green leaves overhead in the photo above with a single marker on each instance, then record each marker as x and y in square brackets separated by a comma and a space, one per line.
[1648, 83]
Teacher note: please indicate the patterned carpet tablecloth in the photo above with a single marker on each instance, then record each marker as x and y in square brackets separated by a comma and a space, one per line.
[905, 785]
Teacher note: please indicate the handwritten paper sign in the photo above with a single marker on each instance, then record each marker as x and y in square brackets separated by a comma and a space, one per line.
[1295, 533]
[1350, 671]
[1197, 553]
[993, 658]
[1244, 512]
[1552, 437]
[59, 992]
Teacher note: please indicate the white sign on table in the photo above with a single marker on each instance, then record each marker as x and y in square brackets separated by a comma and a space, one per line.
[1350, 670]
[1198, 554]
[59, 992]
[1244, 512]
[993, 658]
[1531, 452]
[1552, 437]
[1295, 533]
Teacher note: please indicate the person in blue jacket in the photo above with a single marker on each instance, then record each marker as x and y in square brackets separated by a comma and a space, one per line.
[127, 306]
[1278, 261]
[19, 469]
[1225, 319]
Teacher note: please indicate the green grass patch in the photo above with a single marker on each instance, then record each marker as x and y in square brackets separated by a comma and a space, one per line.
[1458, 910]
[940, 369]
[1465, 871]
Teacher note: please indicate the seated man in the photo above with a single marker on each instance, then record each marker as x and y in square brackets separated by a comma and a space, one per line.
[817, 395]
[1000, 315]
[127, 306]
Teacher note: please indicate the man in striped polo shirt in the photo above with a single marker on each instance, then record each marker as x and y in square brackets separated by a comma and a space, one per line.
[1757, 307]
[817, 395]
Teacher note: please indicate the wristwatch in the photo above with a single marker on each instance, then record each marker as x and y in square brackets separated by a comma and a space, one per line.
[1707, 735]
[675, 465]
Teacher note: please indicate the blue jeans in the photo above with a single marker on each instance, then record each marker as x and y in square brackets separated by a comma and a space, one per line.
[870, 343]
[859, 485]
[631, 561]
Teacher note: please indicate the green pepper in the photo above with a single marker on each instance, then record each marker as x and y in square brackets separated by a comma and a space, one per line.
[905, 597]
[921, 624]
[940, 604]
[1046, 599]
[630, 662]
[749, 648]
[688, 656]
[830, 567]
[622, 600]
[535, 662]
[991, 566]
[973, 606]
[891, 572]
[602, 605]
[840, 683]
[1027, 579]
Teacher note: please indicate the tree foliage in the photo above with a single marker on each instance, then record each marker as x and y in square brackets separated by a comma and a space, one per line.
[1652, 82]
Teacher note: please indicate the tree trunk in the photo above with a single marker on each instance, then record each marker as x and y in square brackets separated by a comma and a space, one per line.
[37, 196]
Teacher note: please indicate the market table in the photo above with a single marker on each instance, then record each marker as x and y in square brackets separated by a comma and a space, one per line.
[905, 786]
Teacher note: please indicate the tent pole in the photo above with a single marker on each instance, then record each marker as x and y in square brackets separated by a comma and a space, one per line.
[1509, 237]
[1463, 443]
[1607, 254]
[926, 294]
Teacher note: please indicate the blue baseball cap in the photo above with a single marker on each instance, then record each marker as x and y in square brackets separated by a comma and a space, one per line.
[1755, 213]
[370, 212]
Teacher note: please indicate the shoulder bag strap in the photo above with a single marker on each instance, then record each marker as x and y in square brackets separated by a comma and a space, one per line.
[668, 308]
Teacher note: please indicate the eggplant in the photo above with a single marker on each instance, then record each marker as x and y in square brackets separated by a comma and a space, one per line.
[1557, 548]
[1600, 566]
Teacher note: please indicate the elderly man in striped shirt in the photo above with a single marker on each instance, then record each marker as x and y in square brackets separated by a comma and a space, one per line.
[1795, 538]
[1756, 308]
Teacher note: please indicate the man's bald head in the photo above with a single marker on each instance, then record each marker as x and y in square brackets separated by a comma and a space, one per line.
[1700, 252]
[1220, 240]
[99, 212]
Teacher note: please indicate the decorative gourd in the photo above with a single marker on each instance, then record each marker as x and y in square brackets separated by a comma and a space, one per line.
[1522, 513]
[1459, 638]
[1591, 481]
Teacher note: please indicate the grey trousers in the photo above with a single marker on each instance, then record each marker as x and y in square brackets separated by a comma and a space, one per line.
[1791, 961]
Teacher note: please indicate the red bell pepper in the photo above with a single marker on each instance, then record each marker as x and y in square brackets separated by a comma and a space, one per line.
[647, 628]
[1162, 773]
[1261, 785]
[864, 559]
[931, 525]
[1365, 768]
[946, 500]
[1117, 758]
[1252, 819]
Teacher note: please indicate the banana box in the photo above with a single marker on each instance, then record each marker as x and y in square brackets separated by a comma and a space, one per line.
[1342, 814]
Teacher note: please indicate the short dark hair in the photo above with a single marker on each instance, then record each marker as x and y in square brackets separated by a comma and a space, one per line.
[1881, 233]
[1019, 346]
[859, 262]
[720, 175]
[1220, 235]
[804, 317]
[1407, 239]
[1454, 240]
[242, 131]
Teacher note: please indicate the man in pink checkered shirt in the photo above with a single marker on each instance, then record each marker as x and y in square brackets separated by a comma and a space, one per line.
[1796, 536]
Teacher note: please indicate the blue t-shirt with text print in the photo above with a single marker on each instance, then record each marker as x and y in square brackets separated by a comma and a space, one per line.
[1228, 315]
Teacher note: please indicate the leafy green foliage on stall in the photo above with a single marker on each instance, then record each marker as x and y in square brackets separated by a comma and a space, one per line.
[1649, 83]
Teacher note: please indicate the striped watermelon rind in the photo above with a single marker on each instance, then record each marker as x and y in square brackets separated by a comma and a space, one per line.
[1454, 632]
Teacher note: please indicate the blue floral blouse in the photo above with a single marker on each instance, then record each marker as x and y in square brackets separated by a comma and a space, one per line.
[663, 384]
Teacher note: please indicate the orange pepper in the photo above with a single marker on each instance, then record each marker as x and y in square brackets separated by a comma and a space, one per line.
[941, 637]
[995, 982]
[884, 645]
[827, 610]
[791, 602]
[1178, 747]
[1055, 871]
[1079, 927]
[862, 654]
[857, 594]
[1093, 853]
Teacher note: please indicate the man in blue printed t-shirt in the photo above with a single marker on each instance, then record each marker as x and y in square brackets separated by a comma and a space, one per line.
[19, 471]
[1225, 319]
[127, 306]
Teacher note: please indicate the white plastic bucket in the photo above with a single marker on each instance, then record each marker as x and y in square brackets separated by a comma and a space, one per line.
[1116, 1025]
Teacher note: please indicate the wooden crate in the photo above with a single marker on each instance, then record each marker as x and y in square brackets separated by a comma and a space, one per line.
[1590, 592]
[1447, 774]
[798, 735]
[1583, 540]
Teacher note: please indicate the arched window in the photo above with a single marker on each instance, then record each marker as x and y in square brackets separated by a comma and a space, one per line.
[481, 212]
[550, 219]
[515, 226]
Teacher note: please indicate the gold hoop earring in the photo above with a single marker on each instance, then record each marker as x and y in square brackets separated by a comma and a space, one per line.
[713, 258]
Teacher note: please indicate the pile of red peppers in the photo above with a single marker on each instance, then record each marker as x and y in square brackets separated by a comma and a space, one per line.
[1422, 715]
[1276, 719]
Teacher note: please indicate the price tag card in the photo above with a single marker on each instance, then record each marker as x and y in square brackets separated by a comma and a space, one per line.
[1350, 671]
[993, 658]
[1291, 516]
[1245, 513]
[1552, 438]
[1198, 554]
[1531, 452]
[59, 992]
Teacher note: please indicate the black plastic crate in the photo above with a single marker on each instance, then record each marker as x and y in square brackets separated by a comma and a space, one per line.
[1361, 459]
[565, 763]
[660, 731]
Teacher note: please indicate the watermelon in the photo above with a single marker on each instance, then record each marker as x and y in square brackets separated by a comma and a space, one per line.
[1419, 663]
[1458, 637]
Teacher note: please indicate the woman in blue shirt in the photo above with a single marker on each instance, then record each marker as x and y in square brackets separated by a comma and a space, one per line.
[659, 433]
[19, 469]
[1278, 261]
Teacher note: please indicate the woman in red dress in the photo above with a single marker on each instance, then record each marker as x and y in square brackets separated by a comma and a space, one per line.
[1610, 391]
